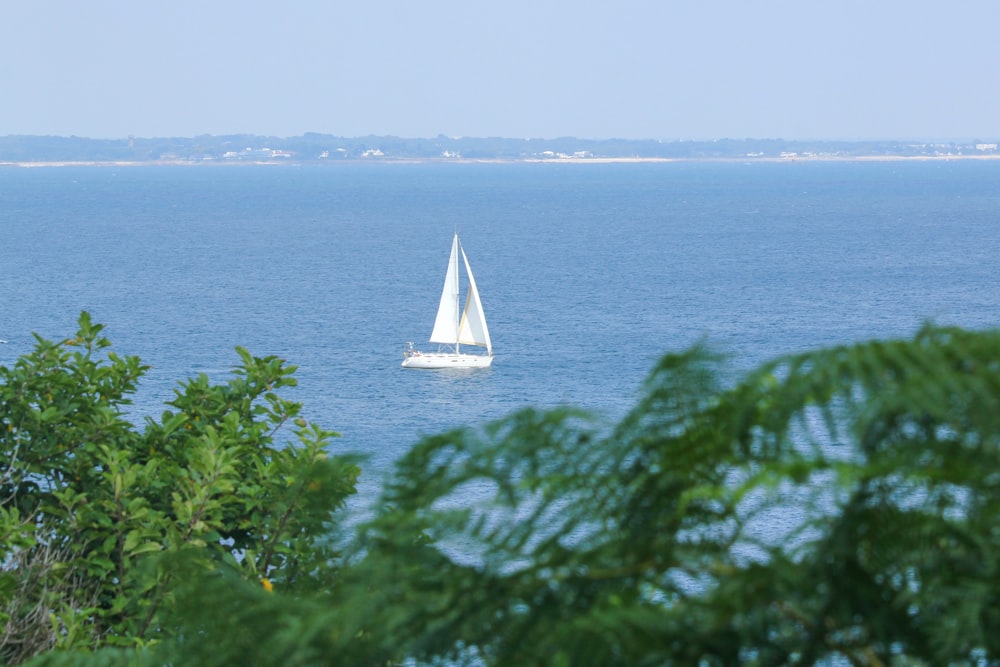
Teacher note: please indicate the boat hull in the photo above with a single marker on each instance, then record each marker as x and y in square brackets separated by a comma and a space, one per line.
[444, 360]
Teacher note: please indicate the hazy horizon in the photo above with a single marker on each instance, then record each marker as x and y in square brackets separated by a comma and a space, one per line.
[918, 140]
[637, 69]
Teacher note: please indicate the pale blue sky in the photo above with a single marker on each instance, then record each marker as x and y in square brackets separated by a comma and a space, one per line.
[651, 69]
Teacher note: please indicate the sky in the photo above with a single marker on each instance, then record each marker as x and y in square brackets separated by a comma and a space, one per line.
[630, 69]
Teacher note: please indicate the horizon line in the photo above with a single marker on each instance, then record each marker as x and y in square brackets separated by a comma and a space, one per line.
[132, 137]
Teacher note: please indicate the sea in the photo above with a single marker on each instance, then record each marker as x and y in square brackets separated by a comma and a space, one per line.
[588, 273]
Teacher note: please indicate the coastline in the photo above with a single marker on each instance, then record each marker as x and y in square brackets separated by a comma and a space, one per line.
[528, 160]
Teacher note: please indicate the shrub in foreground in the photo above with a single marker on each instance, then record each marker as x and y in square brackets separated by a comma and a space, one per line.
[102, 522]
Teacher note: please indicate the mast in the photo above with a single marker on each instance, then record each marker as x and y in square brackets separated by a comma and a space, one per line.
[458, 294]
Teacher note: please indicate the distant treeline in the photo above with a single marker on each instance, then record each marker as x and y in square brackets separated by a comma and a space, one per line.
[325, 147]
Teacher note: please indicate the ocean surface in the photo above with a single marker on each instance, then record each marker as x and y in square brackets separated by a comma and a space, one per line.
[588, 273]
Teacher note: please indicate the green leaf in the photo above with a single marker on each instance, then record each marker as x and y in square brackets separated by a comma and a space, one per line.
[147, 547]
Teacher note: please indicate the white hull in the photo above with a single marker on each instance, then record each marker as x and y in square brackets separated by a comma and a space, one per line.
[447, 360]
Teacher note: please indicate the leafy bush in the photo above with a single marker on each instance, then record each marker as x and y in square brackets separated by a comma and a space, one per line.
[101, 522]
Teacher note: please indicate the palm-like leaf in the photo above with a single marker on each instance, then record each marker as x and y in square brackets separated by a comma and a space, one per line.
[834, 502]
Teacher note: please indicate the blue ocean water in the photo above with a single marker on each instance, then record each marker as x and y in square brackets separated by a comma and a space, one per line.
[588, 272]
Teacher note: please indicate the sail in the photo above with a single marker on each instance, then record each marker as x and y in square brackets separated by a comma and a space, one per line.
[473, 329]
[445, 329]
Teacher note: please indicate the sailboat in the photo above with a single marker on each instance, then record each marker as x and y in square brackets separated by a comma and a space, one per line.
[453, 327]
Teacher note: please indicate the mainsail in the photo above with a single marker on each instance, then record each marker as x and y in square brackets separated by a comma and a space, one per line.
[445, 330]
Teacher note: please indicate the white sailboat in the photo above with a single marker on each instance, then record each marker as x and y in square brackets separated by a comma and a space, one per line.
[453, 327]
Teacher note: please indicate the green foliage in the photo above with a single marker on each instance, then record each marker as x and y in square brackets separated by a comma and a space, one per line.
[97, 516]
[833, 507]
[838, 505]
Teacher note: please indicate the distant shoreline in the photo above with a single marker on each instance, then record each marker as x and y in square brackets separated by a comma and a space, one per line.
[458, 160]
